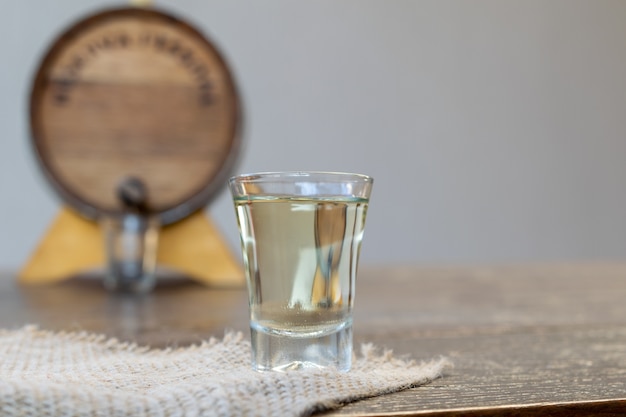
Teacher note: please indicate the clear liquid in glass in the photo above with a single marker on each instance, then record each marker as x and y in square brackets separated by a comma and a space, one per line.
[301, 255]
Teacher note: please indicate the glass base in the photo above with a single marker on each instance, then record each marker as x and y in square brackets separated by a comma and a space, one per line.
[128, 277]
[278, 352]
[140, 285]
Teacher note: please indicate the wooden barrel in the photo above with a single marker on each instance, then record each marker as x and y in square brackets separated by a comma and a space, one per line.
[135, 95]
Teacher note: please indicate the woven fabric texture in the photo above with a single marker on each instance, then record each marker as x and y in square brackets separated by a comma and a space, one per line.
[79, 374]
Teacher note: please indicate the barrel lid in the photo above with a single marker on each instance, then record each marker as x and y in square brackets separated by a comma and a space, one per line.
[135, 96]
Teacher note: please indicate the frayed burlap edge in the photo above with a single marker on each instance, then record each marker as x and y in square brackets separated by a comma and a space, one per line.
[375, 372]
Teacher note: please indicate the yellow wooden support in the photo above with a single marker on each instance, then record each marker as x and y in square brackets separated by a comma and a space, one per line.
[193, 246]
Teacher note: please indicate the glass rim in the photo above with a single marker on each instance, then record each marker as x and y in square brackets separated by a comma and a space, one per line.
[326, 176]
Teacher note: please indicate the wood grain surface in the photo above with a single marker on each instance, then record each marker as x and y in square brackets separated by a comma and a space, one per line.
[527, 340]
[135, 93]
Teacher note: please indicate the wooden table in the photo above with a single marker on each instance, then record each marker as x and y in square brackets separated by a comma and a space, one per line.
[541, 340]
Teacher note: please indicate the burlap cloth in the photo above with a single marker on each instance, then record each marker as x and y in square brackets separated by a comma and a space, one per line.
[79, 374]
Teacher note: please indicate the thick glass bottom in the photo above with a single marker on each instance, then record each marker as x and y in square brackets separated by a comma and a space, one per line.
[273, 351]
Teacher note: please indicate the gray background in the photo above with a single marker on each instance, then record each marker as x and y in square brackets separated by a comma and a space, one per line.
[495, 130]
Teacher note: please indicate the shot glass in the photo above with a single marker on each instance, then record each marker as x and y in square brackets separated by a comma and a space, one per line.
[301, 236]
[130, 243]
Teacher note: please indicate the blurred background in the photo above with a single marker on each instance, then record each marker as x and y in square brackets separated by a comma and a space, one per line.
[495, 130]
